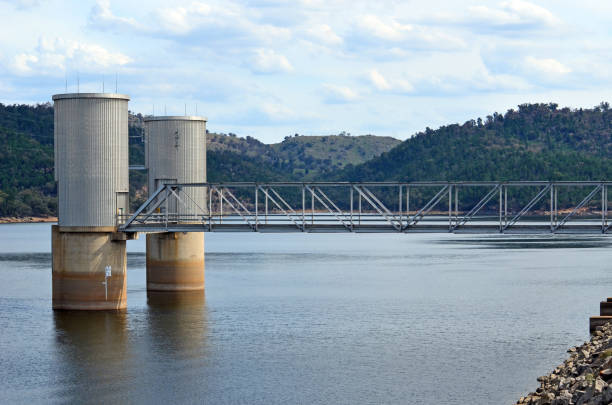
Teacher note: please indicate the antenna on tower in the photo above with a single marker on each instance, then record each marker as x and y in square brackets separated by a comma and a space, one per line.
[154, 109]
[102, 83]
[185, 109]
[66, 78]
[196, 108]
[78, 84]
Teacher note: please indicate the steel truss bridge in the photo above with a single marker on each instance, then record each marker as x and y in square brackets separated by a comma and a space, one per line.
[376, 207]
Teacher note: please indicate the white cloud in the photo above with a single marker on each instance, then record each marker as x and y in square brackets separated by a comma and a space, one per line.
[395, 38]
[323, 33]
[182, 20]
[372, 55]
[484, 81]
[215, 25]
[381, 83]
[55, 56]
[339, 94]
[546, 66]
[530, 11]
[512, 14]
[277, 112]
[462, 80]
[389, 30]
[102, 17]
[21, 62]
[268, 61]
[403, 86]
[379, 80]
[267, 112]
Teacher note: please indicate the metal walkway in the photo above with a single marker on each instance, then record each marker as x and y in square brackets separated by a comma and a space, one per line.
[376, 207]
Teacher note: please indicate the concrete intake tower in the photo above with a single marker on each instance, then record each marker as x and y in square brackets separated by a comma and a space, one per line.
[176, 153]
[91, 170]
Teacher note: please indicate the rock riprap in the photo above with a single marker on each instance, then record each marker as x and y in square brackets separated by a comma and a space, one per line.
[584, 378]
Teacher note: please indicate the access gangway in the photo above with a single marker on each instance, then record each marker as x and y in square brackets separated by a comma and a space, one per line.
[377, 207]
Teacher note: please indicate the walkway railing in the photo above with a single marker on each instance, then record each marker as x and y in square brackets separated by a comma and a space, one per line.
[481, 207]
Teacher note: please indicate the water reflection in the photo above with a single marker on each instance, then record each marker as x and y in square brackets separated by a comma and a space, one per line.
[93, 346]
[105, 355]
[534, 242]
[177, 323]
[311, 318]
[176, 335]
[32, 260]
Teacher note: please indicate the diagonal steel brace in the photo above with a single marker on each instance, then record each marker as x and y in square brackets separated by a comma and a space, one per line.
[378, 206]
[155, 195]
[338, 214]
[527, 207]
[477, 207]
[428, 207]
[281, 208]
[586, 199]
[223, 197]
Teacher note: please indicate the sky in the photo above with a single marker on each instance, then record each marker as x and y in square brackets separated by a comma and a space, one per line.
[273, 68]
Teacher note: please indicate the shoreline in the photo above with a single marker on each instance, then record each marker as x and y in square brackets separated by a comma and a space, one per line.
[26, 220]
[583, 378]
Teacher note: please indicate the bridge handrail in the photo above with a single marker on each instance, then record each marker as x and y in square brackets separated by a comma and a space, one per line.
[433, 183]
[154, 213]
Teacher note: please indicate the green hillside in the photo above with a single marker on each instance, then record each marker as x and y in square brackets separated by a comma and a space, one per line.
[27, 187]
[537, 141]
[306, 157]
[313, 157]
[35, 121]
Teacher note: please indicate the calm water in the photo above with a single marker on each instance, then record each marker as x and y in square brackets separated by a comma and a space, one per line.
[308, 319]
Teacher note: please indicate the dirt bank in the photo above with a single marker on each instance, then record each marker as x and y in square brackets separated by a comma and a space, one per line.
[16, 220]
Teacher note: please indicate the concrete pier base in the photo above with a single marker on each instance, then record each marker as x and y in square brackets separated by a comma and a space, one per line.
[596, 321]
[89, 270]
[605, 315]
[175, 261]
[175, 300]
[605, 308]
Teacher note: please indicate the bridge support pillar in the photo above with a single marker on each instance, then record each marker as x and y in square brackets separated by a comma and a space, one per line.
[89, 269]
[175, 261]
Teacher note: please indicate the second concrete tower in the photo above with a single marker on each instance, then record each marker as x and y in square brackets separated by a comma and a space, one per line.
[176, 153]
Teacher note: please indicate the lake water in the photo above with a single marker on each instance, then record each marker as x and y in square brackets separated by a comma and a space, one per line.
[308, 319]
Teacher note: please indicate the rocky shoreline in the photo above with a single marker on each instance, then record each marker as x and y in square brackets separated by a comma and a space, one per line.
[584, 378]
[17, 220]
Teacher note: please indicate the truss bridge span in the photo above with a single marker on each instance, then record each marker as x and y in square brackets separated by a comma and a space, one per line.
[377, 207]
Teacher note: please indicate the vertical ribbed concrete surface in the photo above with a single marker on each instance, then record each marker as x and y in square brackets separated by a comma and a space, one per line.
[80, 279]
[91, 169]
[175, 261]
[176, 153]
[91, 158]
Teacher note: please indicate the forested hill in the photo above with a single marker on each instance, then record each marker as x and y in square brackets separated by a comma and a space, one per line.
[27, 187]
[306, 157]
[534, 142]
[26, 161]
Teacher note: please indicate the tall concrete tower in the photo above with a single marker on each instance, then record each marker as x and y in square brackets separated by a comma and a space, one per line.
[91, 169]
[176, 153]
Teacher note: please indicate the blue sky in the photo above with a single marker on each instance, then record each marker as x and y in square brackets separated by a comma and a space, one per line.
[271, 68]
